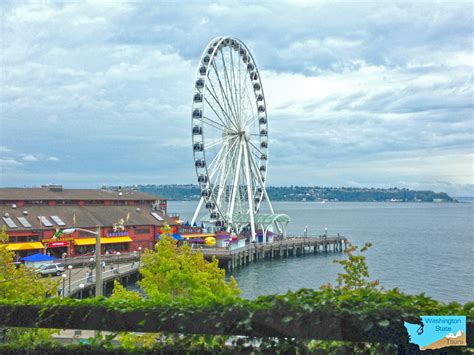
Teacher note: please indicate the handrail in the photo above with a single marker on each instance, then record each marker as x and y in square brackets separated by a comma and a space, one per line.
[278, 320]
[107, 274]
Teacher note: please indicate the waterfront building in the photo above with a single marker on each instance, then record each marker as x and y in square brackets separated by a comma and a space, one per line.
[129, 220]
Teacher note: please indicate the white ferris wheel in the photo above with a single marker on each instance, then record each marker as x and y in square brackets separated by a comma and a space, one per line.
[230, 135]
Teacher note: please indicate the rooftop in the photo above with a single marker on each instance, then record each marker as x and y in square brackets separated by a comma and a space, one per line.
[57, 192]
[79, 216]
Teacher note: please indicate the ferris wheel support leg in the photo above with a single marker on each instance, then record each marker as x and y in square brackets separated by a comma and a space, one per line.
[235, 186]
[263, 185]
[249, 191]
[196, 213]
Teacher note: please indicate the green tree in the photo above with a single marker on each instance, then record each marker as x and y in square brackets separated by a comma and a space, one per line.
[4, 238]
[175, 273]
[172, 272]
[356, 271]
[22, 285]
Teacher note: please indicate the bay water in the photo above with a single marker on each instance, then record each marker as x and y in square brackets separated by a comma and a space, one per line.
[417, 247]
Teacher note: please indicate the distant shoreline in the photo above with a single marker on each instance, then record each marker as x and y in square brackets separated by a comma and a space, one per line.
[320, 194]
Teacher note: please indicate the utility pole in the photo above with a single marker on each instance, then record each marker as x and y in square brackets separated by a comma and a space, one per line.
[98, 267]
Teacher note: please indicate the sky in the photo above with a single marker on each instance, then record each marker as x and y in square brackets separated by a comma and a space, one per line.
[358, 94]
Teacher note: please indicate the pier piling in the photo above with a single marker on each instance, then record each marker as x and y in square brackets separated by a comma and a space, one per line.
[292, 246]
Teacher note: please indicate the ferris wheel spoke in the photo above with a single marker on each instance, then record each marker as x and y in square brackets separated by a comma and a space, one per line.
[239, 99]
[241, 91]
[219, 171]
[227, 81]
[235, 85]
[210, 166]
[255, 147]
[224, 112]
[249, 190]
[264, 190]
[256, 155]
[251, 120]
[213, 123]
[223, 154]
[253, 113]
[227, 171]
[234, 82]
[235, 184]
[224, 94]
[218, 141]
[223, 180]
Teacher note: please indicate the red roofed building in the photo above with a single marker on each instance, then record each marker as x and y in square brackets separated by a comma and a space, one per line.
[129, 220]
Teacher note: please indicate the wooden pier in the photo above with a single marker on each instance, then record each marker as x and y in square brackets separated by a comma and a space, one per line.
[290, 246]
[228, 258]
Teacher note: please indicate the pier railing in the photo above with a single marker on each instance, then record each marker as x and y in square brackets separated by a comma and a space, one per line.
[84, 260]
[80, 286]
[232, 258]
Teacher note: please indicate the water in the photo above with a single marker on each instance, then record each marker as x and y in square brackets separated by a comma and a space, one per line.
[417, 247]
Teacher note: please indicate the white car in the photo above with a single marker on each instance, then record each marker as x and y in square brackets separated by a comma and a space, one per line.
[51, 269]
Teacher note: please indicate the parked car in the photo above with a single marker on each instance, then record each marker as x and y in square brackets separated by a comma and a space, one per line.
[51, 269]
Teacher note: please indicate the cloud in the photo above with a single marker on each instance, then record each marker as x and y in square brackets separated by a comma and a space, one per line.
[30, 157]
[4, 150]
[358, 89]
[9, 163]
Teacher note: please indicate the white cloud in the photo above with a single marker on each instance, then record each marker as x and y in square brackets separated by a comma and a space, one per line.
[357, 88]
[4, 150]
[30, 157]
[9, 163]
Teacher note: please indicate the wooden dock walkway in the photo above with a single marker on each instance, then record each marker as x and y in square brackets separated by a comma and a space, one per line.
[228, 258]
[290, 246]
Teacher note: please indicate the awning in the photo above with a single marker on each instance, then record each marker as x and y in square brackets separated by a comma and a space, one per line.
[91, 241]
[25, 246]
[38, 257]
[177, 236]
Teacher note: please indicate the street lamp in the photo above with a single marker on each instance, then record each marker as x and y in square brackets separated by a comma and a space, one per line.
[81, 287]
[139, 256]
[64, 283]
[98, 270]
[69, 269]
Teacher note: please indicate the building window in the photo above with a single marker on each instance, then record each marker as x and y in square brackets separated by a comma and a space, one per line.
[24, 238]
[142, 230]
[37, 202]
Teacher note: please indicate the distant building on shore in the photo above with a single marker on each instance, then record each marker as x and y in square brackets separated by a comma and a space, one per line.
[129, 220]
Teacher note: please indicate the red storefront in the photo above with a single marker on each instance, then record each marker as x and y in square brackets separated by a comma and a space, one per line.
[129, 220]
